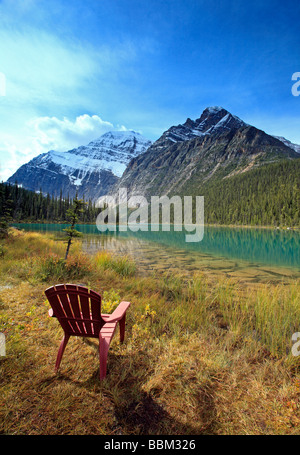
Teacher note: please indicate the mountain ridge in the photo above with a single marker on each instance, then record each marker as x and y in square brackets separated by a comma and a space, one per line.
[216, 145]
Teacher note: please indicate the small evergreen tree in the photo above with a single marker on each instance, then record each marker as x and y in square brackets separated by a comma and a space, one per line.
[73, 214]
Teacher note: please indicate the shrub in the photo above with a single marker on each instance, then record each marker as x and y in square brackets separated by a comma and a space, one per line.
[56, 268]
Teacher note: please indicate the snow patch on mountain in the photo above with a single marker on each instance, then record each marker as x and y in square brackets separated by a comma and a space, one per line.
[214, 120]
[110, 152]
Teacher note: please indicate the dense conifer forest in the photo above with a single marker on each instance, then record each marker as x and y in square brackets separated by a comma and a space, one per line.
[267, 195]
[20, 204]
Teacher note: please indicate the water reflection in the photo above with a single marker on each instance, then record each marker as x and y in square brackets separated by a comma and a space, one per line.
[252, 256]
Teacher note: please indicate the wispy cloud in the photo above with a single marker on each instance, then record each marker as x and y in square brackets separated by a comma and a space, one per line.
[53, 133]
[41, 69]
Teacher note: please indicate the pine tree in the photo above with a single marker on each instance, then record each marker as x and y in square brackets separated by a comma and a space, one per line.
[73, 214]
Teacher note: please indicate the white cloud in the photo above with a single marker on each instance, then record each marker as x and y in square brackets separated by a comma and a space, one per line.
[53, 133]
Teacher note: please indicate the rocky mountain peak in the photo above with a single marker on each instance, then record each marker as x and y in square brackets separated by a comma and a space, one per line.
[213, 113]
[214, 120]
[217, 118]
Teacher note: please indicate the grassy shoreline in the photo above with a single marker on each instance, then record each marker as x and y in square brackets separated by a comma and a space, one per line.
[201, 356]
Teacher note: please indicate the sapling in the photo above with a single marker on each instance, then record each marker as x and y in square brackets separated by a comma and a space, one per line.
[73, 214]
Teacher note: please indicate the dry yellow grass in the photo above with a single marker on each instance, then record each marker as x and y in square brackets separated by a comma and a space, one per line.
[197, 359]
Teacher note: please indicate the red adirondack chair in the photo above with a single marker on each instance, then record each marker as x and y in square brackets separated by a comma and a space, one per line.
[78, 311]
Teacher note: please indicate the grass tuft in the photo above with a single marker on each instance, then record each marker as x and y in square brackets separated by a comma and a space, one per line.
[122, 265]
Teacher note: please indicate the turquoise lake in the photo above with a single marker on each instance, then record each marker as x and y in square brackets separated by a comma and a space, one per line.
[253, 254]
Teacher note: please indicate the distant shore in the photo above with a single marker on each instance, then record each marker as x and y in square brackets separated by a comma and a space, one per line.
[248, 226]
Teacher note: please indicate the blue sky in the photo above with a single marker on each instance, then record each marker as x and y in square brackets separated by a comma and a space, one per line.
[76, 69]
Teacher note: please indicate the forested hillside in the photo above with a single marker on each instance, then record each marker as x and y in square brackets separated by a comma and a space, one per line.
[268, 195]
[25, 205]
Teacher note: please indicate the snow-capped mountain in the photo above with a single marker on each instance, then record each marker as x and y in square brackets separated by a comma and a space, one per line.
[213, 121]
[88, 170]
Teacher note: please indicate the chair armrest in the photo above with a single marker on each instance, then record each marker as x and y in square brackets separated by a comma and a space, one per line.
[118, 313]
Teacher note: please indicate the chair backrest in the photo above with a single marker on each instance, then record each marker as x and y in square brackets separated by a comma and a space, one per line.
[77, 308]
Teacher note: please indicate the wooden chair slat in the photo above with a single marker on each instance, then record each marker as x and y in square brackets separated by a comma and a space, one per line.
[58, 310]
[85, 310]
[73, 296]
[67, 307]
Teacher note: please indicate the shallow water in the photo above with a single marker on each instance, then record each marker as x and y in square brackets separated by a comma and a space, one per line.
[249, 255]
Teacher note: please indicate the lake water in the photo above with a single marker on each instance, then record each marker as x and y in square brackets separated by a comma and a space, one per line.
[252, 255]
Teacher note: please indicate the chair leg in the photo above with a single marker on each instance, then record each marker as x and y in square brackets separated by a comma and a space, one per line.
[103, 352]
[122, 328]
[62, 346]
